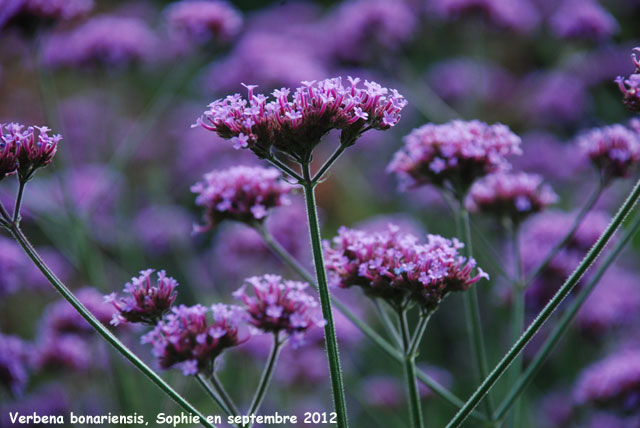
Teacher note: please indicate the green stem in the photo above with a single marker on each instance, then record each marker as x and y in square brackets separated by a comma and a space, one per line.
[324, 168]
[222, 393]
[518, 314]
[417, 336]
[325, 300]
[548, 310]
[284, 168]
[102, 330]
[16, 210]
[209, 389]
[415, 409]
[289, 260]
[593, 198]
[564, 322]
[386, 321]
[267, 374]
[472, 310]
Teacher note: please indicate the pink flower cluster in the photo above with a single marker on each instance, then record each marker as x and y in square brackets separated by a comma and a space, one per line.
[25, 151]
[188, 340]
[240, 193]
[295, 126]
[203, 20]
[453, 154]
[630, 87]
[614, 150]
[279, 305]
[394, 266]
[101, 41]
[511, 195]
[147, 303]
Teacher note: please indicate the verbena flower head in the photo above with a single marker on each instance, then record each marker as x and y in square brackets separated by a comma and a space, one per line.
[613, 382]
[453, 154]
[614, 150]
[240, 193]
[146, 302]
[294, 125]
[57, 9]
[395, 266]
[13, 370]
[110, 41]
[585, 19]
[25, 150]
[61, 318]
[186, 339]
[277, 305]
[515, 15]
[510, 195]
[204, 20]
[630, 87]
[56, 352]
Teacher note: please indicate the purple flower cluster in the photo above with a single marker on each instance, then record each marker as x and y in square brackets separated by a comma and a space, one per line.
[510, 195]
[453, 154]
[296, 126]
[279, 305]
[515, 15]
[24, 151]
[612, 382]
[585, 19]
[13, 371]
[26, 13]
[61, 318]
[63, 351]
[188, 340]
[147, 303]
[614, 150]
[110, 41]
[394, 266]
[630, 87]
[240, 193]
[204, 20]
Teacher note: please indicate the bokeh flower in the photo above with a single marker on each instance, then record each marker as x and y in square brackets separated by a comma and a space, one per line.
[109, 41]
[394, 266]
[13, 364]
[186, 339]
[240, 193]
[585, 19]
[62, 318]
[614, 150]
[146, 302]
[454, 154]
[612, 382]
[55, 352]
[296, 126]
[204, 20]
[520, 16]
[510, 195]
[277, 305]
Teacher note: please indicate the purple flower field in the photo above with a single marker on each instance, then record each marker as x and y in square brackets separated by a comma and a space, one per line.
[356, 213]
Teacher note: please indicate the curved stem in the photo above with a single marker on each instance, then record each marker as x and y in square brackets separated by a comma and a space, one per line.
[564, 322]
[267, 374]
[384, 345]
[325, 301]
[415, 409]
[102, 330]
[548, 310]
[472, 310]
[222, 393]
[284, 168]
[206, 385]
[591, 202]
[386, 321]
[417, 336]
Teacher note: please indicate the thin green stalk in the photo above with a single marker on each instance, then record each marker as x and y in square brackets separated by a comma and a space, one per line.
[210, 390]
[415, 408]
[325, 300]
[16, 232]
[419, 333]
[386, 321]
[385, 346]
[472, 310]
[548, 310]
[591, 202]
[16, 210]
[324, 168]
[267, 374]
[518, 313]
[222, 393]
[284, 168]
[564, 322]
